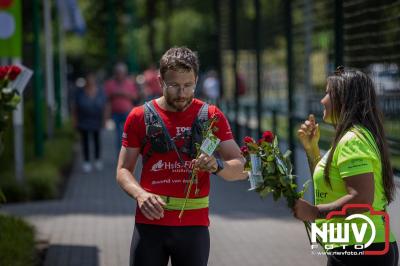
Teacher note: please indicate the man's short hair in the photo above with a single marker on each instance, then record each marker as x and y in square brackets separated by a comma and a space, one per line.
[179, 59]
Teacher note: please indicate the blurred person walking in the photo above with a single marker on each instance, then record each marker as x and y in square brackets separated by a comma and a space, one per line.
[152, 88]
[88, 116]
[122, 94]
[211, 87]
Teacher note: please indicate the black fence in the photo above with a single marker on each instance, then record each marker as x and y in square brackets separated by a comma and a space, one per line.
[284, 50]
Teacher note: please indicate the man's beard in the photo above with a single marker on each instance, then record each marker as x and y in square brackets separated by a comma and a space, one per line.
[178, 106]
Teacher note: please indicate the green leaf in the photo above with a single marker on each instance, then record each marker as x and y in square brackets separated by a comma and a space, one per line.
[287, 154]
[281, 166]
[276, 194]
[270, 168]
[270, 158]
[264, 191]
[275, 143]
[305, 188]
[253, 147]
[284, 180]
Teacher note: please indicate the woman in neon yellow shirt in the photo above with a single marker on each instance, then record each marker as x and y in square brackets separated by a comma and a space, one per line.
[355, 170]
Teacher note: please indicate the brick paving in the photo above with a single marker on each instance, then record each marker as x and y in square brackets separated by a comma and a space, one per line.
[92, 224]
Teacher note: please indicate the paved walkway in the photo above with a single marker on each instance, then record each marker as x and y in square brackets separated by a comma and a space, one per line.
[92, 225]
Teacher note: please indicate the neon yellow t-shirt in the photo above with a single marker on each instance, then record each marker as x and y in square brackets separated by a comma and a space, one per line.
[356, 153]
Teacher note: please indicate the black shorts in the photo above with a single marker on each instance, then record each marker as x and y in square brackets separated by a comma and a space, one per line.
[154, 245]
[391, 258]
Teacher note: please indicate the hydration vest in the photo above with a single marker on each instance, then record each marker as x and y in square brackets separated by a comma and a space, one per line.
[160, 140]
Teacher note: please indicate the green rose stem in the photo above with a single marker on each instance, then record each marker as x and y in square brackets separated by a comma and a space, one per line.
[195, 171]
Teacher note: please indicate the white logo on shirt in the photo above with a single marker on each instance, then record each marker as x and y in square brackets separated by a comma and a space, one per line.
[157, 166]
[181, 130]
[175, 167]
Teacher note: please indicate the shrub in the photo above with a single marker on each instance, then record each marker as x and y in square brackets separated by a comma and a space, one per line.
[17, 245]
[13, 191]
[58, 152]
[42, 179]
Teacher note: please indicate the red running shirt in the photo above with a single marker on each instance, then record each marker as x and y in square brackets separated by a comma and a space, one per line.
[162, 173]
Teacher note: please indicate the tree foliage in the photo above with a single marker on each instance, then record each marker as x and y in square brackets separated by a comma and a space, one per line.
[143, 27]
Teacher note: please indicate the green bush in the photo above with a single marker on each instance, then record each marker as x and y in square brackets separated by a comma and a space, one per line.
[17, 245]
[59, 152]
[42, 179]
[13, 191]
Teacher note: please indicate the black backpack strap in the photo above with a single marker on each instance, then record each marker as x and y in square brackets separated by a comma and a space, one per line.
[156, 117]
[196, 132]
[149, 119]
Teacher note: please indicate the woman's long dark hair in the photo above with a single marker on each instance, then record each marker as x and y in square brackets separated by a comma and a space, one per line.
[354, 102]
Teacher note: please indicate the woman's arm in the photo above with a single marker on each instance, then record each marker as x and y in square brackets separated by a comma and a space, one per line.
[360, 190]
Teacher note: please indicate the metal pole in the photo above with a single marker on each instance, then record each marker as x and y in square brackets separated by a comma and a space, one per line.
[49, 67]
[37, 79]
[289, 65]
[62, 102]
[132, 64]
[57, 70]
[111, 39]
[258, 63]
[18, 124]
[63, 73]
[218, 45]
[338, 33]
[307, 55]
[233, 19]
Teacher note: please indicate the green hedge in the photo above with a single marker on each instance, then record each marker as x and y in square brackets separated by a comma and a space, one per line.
[12, 190]
[42, 180]
[42, 176]
[17, 245]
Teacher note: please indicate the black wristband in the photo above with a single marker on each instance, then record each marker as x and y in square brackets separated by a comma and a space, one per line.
[220, 166]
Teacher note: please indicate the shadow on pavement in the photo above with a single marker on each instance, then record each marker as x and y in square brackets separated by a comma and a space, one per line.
[72, 255]
[233, 200]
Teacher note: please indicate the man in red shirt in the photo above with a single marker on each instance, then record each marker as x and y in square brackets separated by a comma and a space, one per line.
[121, 93]
[159, 232]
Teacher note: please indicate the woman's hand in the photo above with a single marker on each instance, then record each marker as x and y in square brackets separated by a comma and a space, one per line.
[151, 205]
[309, 134]
[305, 211]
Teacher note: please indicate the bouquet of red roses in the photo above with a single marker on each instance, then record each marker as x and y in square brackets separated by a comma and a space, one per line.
[270, 171]
[9, 96]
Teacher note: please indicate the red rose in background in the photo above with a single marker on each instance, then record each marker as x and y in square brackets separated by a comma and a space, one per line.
[248, 139]
[244, 150]
[5, 3]
[4, 70]
[14, 72]
[268, 136]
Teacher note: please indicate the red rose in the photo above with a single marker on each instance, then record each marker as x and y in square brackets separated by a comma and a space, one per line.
[14, 72]
[248, 139]
[3, 71]
[244, 150]
[268, 136]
